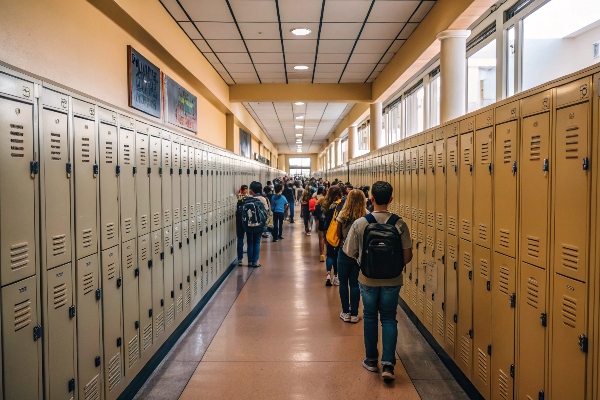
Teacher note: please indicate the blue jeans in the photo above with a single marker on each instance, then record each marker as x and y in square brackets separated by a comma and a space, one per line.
[240, 245]
[382, 300]
[277, 225]
[348, 275]
[291, 205]
[253, 247]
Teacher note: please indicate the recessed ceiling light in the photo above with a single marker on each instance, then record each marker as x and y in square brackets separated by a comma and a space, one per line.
[300, 117]
[298, 140]
[298, 135]
[299, 103]
[301, 31]
[301, 67]
[299, 150]
[299, 127]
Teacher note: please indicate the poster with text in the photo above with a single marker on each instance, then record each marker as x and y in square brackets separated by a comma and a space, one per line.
[181, 107]
[143, 79]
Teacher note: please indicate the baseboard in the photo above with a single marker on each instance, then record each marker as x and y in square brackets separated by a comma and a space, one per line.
[141, 378]
[456, 372]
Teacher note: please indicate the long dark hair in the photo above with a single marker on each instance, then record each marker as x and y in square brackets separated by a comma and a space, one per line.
[333, 194]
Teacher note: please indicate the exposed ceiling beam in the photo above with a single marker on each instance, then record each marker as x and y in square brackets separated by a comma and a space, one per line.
[314, 92]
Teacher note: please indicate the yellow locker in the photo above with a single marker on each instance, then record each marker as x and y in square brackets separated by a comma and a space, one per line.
[431, 282]
[482, 319]
[422, 177]
[482, 206]
[440, 180]
[465, 193]
[131, 309]
[407, 175]
[431, 174]
[451, 298]
[414, 180]
[396, 178]
[400, 191]
[464, 330]
[440, 293]
[452, 185]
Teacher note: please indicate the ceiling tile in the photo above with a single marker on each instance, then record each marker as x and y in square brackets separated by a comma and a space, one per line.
[253, 11]
[242, 75]
[327, 75]
[327, 58]
[242, 81]
[329, 68]
[387, 58]
[364, 58]
[384, 30]
[300, 11]
[211, 58]
[372, 46]
[207, 10]
[233, 68]
[292, 79]
[229, 46]
[264, 46]
[267, 58]
[393, 11]
[174, 9]
[234, 58]
[270, 68]
[307, 59]
[202, 45]
[287, 27]
[346, 10]
[190, 30]
[422, 11]
[272, 75]
[406, 32]
[363, 68]
[341, 30]
[335, 46]
[300, 46]
[260, 30]
[218, 30]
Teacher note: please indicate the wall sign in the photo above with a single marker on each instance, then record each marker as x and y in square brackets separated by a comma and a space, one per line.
[245, 143]
[181, 107]
[143, 79]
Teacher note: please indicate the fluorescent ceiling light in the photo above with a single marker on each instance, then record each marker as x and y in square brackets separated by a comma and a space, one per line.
[299, 150]
[298, 140]
[298, 135]
[301, 67]
[300, 117]
[301, 31]
[299, 126]
[299, 103]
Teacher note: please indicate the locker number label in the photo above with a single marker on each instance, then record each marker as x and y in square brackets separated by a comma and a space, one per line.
[23, 289]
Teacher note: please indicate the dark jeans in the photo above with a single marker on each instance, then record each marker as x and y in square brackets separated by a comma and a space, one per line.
[331, 260]
[240, 244]
[277, 224]
[382, 300]
[291, 205]
[348, 275]
[306, 217]
[253, 247]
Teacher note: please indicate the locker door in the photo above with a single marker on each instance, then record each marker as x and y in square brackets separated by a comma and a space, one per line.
[60, 332]
[431, 283]
[145, 293]
[465, 193]
[205, 173]
[20, 341]
[452, 185]
[404, 176]
[109, 186]
[440, 294]
[569, 315]
[184, 182]
[17, 196]
[440, 185]
[185, 257]
[431, 173]
[166, 184]
[503, 326]
[532, 332]
[191, 183]
[85, 188]
[534, 189]
[142, 183]
[414, 188]
[572, 191]
[482, 319]
[88, 327]
[464, 352]
[131, 309]
[155, 183]
[505, 189]
[169, 290]
[176, 183]
[193, 260]
[178, 272]
[482, 208]
[127, 184]
[422, 259]
[422, 184]
[158, 288]
[199, 212]
[57, 189]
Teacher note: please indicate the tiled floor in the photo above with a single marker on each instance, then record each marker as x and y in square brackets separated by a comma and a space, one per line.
[275, 333]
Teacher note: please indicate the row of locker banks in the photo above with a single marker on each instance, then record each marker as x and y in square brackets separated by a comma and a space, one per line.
[112, 229]
[502, 207]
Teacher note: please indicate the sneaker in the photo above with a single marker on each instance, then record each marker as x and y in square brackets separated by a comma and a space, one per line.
[322, 258]
[308, 233]
[240, 263]
[336, 281]
[255, 265]
[328, 281]
[274, 240]
[388, 373]
[371, 365]
[354, 319]
[291, 221]
[345, 316]
[280, 238]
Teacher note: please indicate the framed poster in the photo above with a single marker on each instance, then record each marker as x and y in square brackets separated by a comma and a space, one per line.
[245, 143]
[181, 107]
[143, 80]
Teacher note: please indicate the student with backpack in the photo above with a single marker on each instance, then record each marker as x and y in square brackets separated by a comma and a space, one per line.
[239, 227]
[332, 207]
[382, 246]
[306, 214]
[319, 216]
[254, 218]
[278, 204]
[288, 192]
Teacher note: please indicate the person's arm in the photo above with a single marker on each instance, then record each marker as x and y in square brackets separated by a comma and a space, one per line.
[339, 231]
[408, 255]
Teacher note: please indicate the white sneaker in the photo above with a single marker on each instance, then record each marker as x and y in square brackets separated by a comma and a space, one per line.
[345, 316]
[336, 281]
[328, 281]
[354, 319]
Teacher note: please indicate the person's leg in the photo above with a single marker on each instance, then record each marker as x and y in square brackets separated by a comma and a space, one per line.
[240, 245]
[275, 226]
[306, 218]
[291, 208]
[388, 304]
[280, 227]
[250, 247]
[321, 243]
[354, 289]
[256, 256]
[370, 296]
[344, 266]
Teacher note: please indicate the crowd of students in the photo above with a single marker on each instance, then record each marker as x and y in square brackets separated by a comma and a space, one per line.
[364, 247]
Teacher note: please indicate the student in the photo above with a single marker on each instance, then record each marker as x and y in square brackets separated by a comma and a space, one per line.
[253, 238]
[239, 228]
[365, 190]
[306, 214]
[379, 296]
[354, 208]
[278, 203]
[288, 192]
[330, 205]
[319, 216]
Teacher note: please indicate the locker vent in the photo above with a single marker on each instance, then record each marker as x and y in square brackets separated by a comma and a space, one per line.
[406, 210]
[440, 220]
[88, 282]
[440, 159]
[482, 365]
[414, 213]
[167, 216]
[155, 157]
[535, 149]
[19, 256]
[156, 219]
[533, 246]
[452, 251]
[195, 288]
[134, 349]
[467, 156]
[85, 150]
[571, 145]
[111, 271]
[156, 248]
[504, 238]
[485, 153]
[421, 214]
[451, 223]
[58, 245]
[440, 324]
[147, 336]
[569, 311]
[179, 304]
[192, 213]
[160, 325]
[22, 315]
[167, 240]
[507, 151]
[420, 236]
[144, 254]
[16, 147]
[60, 295]
[128, 226]
[170, 315]
[429, 312]
[430, 160]
[430, 218]
[570, 257]
[483, 232]
[452, 157]
[430, 242]
[503, 281]
[184, 212]
[503, 385]
[467, 260]
[143, 155]
[126, 154]
[533, 291]
[86, 238]
[176, 236]
[114, 371]
[91, 391]
[143, 222]
[421, 302]
[465, 349]
[466, 227]
[129, 260]
[108, 152]
[413, 297]
[55, 147]
[439, 248]
[484, 269]
[110, 230]
[450, 333]
[187, 296]
[176, 212]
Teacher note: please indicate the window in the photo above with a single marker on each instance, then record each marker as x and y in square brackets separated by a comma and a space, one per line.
[305, 172]
[510, 62]
[481, 77]
[363, 136]
[434, 98]
[414, 109]
[299, 166]
[344, 147]
[393, 127]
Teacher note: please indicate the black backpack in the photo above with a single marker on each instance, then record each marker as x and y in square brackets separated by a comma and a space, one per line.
[254, 215]
[382, 253]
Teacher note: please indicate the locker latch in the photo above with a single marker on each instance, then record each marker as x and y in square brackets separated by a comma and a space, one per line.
[98, 293]
[443, 306]
[194, 236]
[188, 278]
[119, 282]
[71, 385]
[181, 286]
[136, 272]
[137, 324]
[188, 171]
[134, 170]
[455, 265]
[489, 285]
[432, 296]
[471, 333]
[162, 302]
[544, 319]
[586, 164]
[489, 349]
[512, 370]
[171, 171]
[456, 318]
[180, 245]
[417, 282]
[34, 168]
[180, 171]
[195, 172]
[150, 313]
[72, 312]
[423, 287]
[201, 172]
[211, 259]
[583, 343]
[512, 300]
[69, 170]
[149, 171]
[195, 274]
[456, 168]
[96, 170]
[541, 395]
[97, 361]
[443, 260]
[160, 170]
[514, 167]
[432, 170]
[172, 294]
[118, 170]
[470, 275]
[188, 240]
[545, 168]
[471, 168]
[490, 168]
[37, 332]
[149, 263]
[119, 342]
[171, 249]
[162, 255]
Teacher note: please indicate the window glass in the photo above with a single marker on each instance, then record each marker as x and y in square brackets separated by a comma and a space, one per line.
[414, 112]
[392, 123]
[300, 172]
[345, 150]
[434, 109]
[481, 77]
[558, 39]
[299, 162]
[363, 137]
[510, 62]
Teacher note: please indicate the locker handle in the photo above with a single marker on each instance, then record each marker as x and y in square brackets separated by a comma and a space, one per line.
[119, 342]
[72, 312]
[512, 370]
[160, 170]
[34, 168]
[136, 272]
[162, 302]
[545, 167]
[586, 163]
[541, 395]
[118, 170]
[455, 168]
[162, 255]
[71, 385]
[188, 240]
[150, 313]
[432, 296]
[149, 263]
[455, 265]
[98, 294]
[195, 274]
[69, 170]
[181, 286]
[180, 171]
[514, 167]
[134, 170]
[443, 307]
[490, 168]
[188, 171]
[433, 170]
[37, 332]
[149, 171]
[180, 245]
[188, 278]
[470, 275]
[171, 171]
[119, 282]
[489, 285]
[195, 172]
[512, 300]
[456, 318]
[171, 249]
[489, 350]
[583, 343]
[137, 324]
[97, 361]
[172, 294]
[471, 168]
[471, 333]
[544, 319]
[96, 170]
[443, 260]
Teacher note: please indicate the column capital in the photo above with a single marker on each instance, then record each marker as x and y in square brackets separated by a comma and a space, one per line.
[453, 34]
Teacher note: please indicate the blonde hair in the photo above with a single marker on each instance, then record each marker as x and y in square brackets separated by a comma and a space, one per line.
[354, 207]
[306, 196]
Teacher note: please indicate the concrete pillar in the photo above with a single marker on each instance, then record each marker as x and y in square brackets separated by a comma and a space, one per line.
[352, 142]
[453, 70]
[377, 136]
[336, 150]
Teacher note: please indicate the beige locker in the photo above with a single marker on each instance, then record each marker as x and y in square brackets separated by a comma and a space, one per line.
[535, 184]
[421, 273]
[464, 329]
[176, 182]
[166, 180]
[145, 292]
[184, 182]
[569, 339]
[127, 183]
[482, 207]
[571, 191]
[131, 310]
[452, 185]
[89, 318]
[414, 182]
[431, 275]
[431, 175]
[142, 182]
[440, 294]
[18, 176]
[85, 184]
[191, 183]
[169, 289]
[57, 188]
[532, 332]
[109, 186]
[503, 326]
[482, 319]
[21, 342]
[185, 258]
[465, 192]
[193, 261]
[158, 288]
[422, 177]
[440, 181]
[204, 179]
[155, 182]
[178, 273]
[198, 167]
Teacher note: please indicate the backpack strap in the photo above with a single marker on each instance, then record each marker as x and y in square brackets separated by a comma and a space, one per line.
[393, 220]
[371, 218]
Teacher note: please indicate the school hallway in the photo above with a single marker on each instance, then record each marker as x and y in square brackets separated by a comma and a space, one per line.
[274, 332]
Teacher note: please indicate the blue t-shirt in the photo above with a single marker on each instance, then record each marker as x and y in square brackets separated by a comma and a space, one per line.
[278, 203]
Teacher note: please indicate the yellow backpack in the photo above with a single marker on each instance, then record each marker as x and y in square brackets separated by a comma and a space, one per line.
[331, 235]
